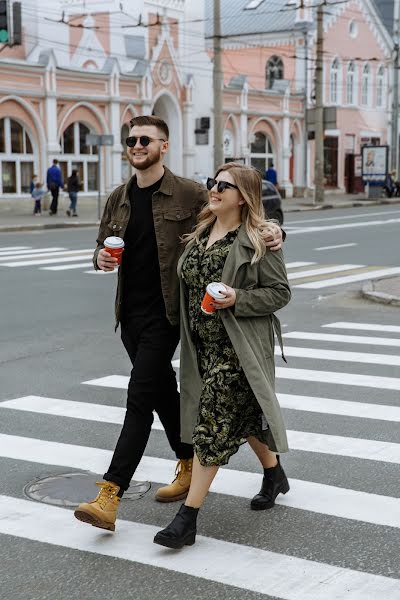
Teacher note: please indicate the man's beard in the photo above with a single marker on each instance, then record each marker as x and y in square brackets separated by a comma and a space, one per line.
[147, 163]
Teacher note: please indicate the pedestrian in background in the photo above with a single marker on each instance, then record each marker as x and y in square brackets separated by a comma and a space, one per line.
[37, 194]
[271, 175]
[151, 213]
[73, 186]
[227, 357]
[54, 184]
[33, 183]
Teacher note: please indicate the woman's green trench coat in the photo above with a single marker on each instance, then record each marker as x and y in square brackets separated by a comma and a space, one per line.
[261, 289]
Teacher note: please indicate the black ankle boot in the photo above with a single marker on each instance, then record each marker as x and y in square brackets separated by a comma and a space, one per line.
[181, 531]
[274, 482]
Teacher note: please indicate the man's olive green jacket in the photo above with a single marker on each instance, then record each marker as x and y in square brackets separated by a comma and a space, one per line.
[176, 205]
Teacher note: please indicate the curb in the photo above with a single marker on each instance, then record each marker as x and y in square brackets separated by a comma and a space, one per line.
[286, 210]
[368, 291]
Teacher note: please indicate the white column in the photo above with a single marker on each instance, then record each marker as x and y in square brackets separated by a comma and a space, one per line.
[284, 180]
[244, 134]
[116, 150]
[53, 144]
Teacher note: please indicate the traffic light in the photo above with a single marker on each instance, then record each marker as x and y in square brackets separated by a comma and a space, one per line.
[4, 33]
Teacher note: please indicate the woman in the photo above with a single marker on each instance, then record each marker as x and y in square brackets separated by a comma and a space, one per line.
[73, 189]
[227, 358]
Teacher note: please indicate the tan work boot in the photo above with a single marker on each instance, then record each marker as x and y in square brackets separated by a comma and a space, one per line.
[102, 511]
[178, 489]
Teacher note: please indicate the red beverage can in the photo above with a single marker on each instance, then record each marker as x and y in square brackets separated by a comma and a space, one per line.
[214, 291]
[114, 246]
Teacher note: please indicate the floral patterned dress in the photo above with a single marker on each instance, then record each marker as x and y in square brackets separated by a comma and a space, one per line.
[228, 410]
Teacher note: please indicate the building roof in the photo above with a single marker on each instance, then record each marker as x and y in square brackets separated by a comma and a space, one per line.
[268, 17]
[385, 9]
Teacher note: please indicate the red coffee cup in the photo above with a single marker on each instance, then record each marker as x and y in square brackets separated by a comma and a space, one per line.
[114, 246]
[214, 291]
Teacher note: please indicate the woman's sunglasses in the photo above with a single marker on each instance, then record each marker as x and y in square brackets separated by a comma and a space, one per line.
[221, 185]
[143, 139]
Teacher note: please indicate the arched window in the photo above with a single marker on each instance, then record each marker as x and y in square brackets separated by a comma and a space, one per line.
[261, 152]
[16, 157]
[334, 81]
[380, 80]
[350, 83]
[273, 71]
[126, 169]
[365, 85]
[78, 155]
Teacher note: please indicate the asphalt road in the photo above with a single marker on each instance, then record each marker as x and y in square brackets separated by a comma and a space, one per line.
[335, 535]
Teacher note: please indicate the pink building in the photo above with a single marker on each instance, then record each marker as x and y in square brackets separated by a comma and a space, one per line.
[88, 67]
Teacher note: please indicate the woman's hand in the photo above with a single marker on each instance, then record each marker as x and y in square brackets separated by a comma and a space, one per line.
[229, 300]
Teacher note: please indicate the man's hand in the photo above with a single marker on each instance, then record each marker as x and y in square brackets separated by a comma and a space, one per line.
[272, 235]
[229, 300]
[105, 261]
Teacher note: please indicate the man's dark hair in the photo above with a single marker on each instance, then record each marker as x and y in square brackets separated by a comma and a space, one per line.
[144, 120]
[55, 162]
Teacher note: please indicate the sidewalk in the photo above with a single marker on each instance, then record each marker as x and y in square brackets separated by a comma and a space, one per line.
[383, 291]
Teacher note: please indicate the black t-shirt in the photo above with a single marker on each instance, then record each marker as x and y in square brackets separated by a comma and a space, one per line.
[141, 281]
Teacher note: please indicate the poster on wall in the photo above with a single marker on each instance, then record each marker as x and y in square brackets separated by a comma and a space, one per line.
[374, 163]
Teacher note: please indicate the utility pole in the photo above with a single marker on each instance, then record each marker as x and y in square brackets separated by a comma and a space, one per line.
[217, 87]
[395, 105]
[319, 110]
[305, 142]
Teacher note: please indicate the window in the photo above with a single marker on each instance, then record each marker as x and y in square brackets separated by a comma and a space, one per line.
[253, 4]
[365, 89]
[379, 86]
[350, 83]
[334, 81]
[16, 157]
[78, 155]
[273, 71]
[261, 152]
[353, 30]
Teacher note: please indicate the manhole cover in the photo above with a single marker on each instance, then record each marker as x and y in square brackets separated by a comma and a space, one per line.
[70, 489]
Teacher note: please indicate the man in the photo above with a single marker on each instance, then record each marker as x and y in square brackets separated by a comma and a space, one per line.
[54, 183]
[151, 212]
[271, 175]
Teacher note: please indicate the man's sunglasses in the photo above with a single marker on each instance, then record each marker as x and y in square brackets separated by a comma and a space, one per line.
[143, 139]
[221, 185]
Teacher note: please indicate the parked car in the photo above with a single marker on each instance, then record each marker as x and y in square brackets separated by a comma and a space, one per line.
[272, 201]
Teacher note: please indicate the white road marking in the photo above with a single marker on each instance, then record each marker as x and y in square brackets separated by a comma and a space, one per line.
[49, 261]
[23, 253]
[362, 326]
[349, 278]
[309, 219]
[66, 267]
[335, 247]
[294, 265]
[7, 248]
[114, 414]
[287, 577]
[357, 357]
[370, 381]
[308, 230]
[304, 495]
[99, 272]
[342, 339]
[322, 271]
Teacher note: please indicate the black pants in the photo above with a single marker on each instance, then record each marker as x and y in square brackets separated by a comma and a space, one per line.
[150, 343]
[54, 199]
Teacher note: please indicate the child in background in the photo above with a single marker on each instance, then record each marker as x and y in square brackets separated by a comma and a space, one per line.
[37, 194]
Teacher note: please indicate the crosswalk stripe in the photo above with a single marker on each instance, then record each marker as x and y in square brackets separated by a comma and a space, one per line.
[353, 225]
[373, 274]
[27, 253]
[66, 267]
[49, 261]
[322, 271]
[114, 414]
[298, 440]
[295, 265]
[8, 248]
[304, 495]
[387, 383]
[346, 339]
[99, 272]
[335, 247]
[339, 355]
[286, 577]
[364, 326]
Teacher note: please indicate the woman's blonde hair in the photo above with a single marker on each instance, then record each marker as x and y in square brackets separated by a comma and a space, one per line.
[248, 180]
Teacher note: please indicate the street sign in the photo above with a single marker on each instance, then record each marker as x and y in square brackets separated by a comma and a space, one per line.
[329, 118]
[107, 140]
